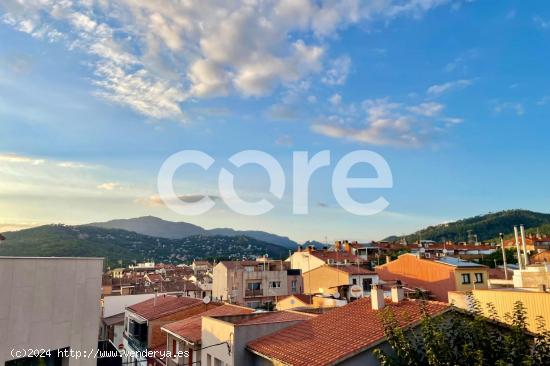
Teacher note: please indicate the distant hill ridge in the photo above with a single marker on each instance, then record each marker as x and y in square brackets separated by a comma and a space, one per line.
[154, 226]
[127, 246]
[486, 227]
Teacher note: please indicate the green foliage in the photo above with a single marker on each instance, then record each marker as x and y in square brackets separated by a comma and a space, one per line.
[489, 260]
[121, 247]
[456, 338]
[486, 227]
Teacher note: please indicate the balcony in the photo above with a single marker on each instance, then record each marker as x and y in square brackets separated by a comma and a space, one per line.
[136, 343]
[253, 293]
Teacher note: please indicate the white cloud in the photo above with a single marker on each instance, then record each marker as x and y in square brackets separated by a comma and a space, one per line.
[152, 56]
[517, 108]
[382, 122]
[335, 99]
[428, 109]
[338, 71]
[109, 186]
[438, 89]
[544, 100]
[15, 158]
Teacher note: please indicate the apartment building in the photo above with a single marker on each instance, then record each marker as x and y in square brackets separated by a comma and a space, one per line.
[49, 303]
[438, 276]
[185, 335]
[143, 322]
[331, 279]
[254, 283]
[311, 258]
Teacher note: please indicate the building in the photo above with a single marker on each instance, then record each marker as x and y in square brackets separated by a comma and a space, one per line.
[254, 283]
[330, 279]
[307, 260]
[224, 338]
[536, 303]
[541, 257]
[344, 336]
[201, 266]
[438, 276]
[49, 303]
[294, 301]
[185, 335]
[143, 322]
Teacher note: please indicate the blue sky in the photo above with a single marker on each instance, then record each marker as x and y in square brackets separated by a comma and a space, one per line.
[95, 95]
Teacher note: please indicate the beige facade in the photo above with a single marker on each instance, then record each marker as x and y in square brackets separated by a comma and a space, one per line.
[533, 276]
[328, 279]
[49, 303]
[535, 302]
[304, 261]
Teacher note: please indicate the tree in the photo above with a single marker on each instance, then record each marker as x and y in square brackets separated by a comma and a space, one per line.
[465, 338]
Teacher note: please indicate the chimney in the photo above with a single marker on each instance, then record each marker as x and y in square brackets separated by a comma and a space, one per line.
[377, 297]
[397, 294]
[525, 254]
[338, 245]
[388, 259]
[299, 248]
[347, 247]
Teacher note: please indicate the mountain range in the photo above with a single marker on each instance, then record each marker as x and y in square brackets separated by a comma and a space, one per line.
[124, 247]
[154, 226]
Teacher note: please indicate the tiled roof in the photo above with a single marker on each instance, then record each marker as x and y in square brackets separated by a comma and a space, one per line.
[354, 270]
[114, 319]
[154, 277]
[337, 335]
[266, 318]
[163, 306]
[190, 329]
[498, 273]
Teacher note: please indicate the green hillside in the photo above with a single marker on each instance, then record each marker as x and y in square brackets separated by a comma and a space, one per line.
[486, 227]
[115, 245]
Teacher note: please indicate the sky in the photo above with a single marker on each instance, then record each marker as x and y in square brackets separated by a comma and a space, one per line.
[95, 95]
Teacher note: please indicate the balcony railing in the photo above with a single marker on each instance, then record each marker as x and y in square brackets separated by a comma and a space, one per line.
[251, 293]
[135, 343]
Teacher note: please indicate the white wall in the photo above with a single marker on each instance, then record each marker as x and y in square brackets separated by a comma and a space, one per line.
[49, 303]
[113, 305]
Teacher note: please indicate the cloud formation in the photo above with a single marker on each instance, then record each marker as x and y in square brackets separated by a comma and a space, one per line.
[382, 122]
[154, 55]
[439, 89]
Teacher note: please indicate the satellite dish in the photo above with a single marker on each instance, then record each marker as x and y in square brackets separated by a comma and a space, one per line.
[206, 299]
[356, 291]
[336, 295]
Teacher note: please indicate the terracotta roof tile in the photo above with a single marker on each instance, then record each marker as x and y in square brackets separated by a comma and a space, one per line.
[190, 329]
[163, 306]
[354, 270]
[339, 256]
[336, 335]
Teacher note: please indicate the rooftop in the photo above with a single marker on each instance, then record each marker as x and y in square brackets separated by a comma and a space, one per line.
[354, 270]
[338, 334]
[265, 318]
[163, 305]
[457, 262]
[190, 329]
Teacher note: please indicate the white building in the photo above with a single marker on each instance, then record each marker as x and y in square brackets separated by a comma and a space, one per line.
[49, 303]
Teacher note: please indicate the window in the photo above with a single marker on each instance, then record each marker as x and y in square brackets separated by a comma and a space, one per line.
[217, 362]
[174, 348]
[479, 277]
[465, 278]
[294, 285]
[367, 282]
[275, 284]
[249, 269]
[208, 360]
[254, 286]
[354, 281]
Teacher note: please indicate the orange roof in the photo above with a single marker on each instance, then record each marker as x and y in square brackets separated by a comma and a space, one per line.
[190, 329]
[162, 306]
[265, 318]
[354, 270]
[338, 334]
